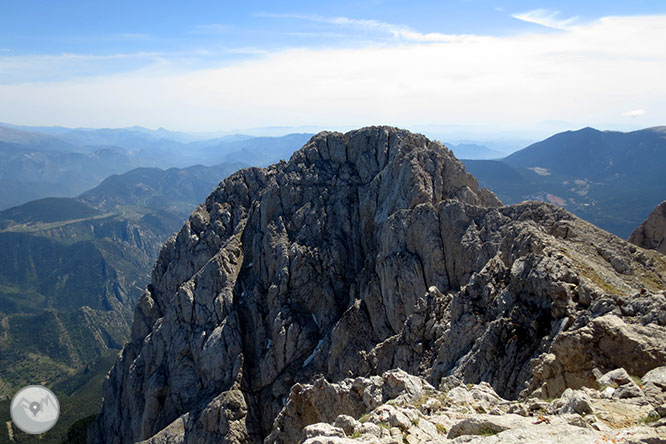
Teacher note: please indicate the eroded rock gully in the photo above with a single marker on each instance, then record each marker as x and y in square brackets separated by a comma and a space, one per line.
[366, 252]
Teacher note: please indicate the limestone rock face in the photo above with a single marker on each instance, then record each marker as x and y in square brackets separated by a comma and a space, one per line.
[652, 233]
[366, 252]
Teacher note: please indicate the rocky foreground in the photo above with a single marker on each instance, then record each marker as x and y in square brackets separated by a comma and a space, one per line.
[292, 295]
[398, 408]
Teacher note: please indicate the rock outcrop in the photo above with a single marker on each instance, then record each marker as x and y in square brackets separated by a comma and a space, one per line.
[366, 252]
[652, 233]
[412, 411]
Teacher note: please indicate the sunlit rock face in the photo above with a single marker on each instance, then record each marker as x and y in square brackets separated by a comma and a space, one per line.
[370, 251]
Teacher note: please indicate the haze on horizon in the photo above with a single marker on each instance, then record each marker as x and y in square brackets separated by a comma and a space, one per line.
[464, 67]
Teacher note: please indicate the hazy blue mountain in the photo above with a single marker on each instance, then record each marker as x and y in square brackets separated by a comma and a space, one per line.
[505, 181]
[18, 139]
[175, 189]
[160, 133]
[474, 151]
[27, 173]
[132, 137]
[610, 178]
[38, 162]
[259, 151]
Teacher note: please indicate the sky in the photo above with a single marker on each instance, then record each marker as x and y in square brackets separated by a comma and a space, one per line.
[462, 67]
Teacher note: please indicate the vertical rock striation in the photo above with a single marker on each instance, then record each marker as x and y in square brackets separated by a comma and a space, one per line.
[370, 251]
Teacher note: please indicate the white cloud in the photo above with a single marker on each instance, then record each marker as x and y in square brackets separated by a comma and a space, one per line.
[398, 31]
[591, 73]
[316, 34]
[634, 113]
[248, 50]
[544, 17]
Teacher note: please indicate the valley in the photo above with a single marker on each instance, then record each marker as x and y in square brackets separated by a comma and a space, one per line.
[71, 273]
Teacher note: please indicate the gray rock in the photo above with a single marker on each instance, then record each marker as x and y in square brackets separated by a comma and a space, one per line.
[400, 420]
[615, 378]
[320, 430]
[367, 252]
[460, 395]
[346, 423]
[329, 440]
[652, 233]
[657, 376]
[654, 394]
[628, 391]
[369, 428]
[576, 402]
[174, 433]
[488, 425]
[661, 410]
[607, 392]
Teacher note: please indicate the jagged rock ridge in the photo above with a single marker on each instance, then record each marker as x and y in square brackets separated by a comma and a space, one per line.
[366, 252]
[652, 232]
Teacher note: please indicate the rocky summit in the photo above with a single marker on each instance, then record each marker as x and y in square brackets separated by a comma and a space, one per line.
[369, 290]
[652, 232]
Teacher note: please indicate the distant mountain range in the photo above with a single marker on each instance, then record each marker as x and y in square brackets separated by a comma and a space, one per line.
[475, 151]
[73, 268]
[593, 173]
[610, 178]
[38, 162]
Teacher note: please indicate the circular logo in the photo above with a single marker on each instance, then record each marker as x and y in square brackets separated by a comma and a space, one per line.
[35, 409]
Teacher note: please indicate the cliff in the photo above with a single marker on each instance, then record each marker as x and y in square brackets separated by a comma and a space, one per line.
[366, 252]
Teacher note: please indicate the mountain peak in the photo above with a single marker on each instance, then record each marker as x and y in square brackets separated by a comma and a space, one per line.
[366, 252]
[395, 160]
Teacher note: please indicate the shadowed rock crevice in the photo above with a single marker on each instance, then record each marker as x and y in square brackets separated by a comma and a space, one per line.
[367, 251]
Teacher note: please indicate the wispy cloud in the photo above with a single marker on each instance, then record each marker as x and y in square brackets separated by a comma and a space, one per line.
[397, 31]
[247, 51]
[39, 67]
[316, 34]
[31, 68]
[547, 18]
[213, 28]
[634, 113]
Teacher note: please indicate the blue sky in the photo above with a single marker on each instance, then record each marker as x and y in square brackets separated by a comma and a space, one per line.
[211, 65]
